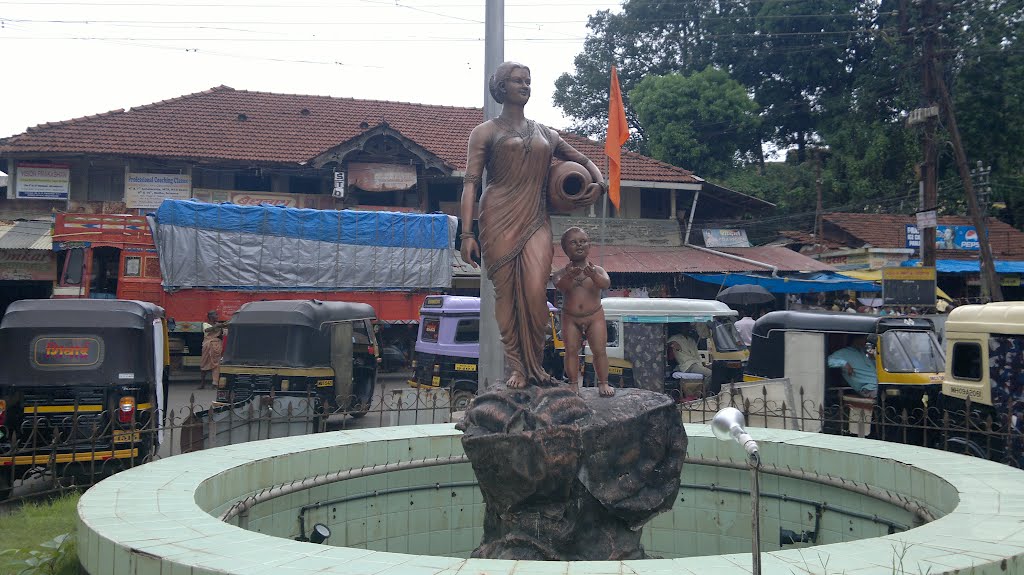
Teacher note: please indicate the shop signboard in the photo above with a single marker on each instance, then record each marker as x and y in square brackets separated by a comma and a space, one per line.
[285, 200]
[908, 286]
[42, 181]
[27, 265]
[147, 191]
[946, 237]
[381, 177]
[726, 238]
[926, 219]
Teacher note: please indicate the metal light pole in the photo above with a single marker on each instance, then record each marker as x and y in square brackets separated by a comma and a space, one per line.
[492, 356]
[728, 425]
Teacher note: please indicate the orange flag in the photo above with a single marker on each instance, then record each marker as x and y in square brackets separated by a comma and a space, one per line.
[618, 133]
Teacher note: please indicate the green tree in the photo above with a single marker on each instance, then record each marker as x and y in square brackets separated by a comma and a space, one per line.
[986, 77]
[649, 37]
[706, 121]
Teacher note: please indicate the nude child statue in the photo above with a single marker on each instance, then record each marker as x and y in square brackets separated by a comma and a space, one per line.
[581, 282]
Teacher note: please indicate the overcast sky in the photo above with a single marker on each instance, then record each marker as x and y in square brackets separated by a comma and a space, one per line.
[69, 59]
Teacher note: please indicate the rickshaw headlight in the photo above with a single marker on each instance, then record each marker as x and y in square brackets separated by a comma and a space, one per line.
[126, 409]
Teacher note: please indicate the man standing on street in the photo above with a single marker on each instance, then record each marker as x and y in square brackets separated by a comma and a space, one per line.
[745, 327]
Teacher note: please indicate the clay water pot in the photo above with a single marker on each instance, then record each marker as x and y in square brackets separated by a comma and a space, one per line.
[566, 181]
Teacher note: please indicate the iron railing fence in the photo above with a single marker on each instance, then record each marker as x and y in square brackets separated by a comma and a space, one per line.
[970, 429]
[46, 453]
[82, 448]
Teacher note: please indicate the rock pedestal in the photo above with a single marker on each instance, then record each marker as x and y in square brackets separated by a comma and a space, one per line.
[569, 477]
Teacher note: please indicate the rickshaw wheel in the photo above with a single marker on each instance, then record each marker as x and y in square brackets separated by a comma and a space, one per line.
[461, 398]
[963, 446]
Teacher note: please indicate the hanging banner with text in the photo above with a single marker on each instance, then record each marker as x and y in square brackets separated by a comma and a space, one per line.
[946, 237]
[42, 181]
[908, 286]
[147, 191]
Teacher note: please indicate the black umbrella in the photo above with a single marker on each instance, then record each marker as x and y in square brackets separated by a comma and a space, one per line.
[745, 294]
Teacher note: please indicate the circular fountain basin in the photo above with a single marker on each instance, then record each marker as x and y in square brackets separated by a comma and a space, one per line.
[400, 501]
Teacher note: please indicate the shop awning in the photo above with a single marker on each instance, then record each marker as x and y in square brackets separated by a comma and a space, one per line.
[866, 275]
[26, 235]
[970, 266]
[785, 285]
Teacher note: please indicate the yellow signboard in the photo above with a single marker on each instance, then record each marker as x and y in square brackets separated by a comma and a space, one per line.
[908, 274]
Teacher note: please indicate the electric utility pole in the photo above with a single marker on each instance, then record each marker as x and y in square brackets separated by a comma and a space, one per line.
[492, 352]
[928, 114]
[990, 286]
[930, 167]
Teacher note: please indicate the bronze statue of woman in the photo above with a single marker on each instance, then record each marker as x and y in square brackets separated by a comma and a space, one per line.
[515, 230]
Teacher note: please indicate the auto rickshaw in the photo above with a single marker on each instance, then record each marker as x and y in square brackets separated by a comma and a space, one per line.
[448, 347]
[638, 332]
[324, 350]
[796, 344]
[983, 388]
[82, 386]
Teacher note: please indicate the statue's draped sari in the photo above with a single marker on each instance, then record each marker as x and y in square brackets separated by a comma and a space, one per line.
[515, 236]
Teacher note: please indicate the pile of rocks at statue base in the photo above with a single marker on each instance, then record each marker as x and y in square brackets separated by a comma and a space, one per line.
[569, 477]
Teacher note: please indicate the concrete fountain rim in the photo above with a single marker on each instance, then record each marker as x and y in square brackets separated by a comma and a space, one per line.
[149, 519]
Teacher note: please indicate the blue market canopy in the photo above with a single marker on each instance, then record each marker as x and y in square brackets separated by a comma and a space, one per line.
[969, 266]
[785, 285]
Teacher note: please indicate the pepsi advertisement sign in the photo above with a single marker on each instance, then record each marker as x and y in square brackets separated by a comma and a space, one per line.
[946, 237]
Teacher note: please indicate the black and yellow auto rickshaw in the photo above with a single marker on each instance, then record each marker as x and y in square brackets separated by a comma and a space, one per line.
[324, 350]
[81, 385]
[796, 344]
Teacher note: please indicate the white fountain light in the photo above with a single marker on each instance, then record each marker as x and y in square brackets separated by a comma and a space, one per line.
[728, 424]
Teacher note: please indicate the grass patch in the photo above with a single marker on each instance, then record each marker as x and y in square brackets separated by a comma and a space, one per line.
[28, 538]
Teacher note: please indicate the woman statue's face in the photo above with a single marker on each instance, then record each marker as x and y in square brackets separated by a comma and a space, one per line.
[517, 87]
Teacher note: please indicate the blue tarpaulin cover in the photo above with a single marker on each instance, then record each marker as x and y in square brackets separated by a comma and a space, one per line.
[267, 247]
[970, 266]
[835, 282]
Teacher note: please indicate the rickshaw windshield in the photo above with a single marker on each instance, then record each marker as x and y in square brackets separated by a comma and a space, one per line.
[726, 336]
[293, 346]
[906, 351]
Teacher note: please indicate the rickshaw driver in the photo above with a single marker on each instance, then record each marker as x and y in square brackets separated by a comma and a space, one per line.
[581, 282]
[687, 355]
[858, 371]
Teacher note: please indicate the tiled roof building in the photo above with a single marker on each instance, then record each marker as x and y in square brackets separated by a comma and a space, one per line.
[227, 124]
[889, 231]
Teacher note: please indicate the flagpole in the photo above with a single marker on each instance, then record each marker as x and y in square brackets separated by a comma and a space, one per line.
[604, 216]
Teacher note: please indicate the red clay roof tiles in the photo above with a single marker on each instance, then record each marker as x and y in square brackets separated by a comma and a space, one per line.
[227, 124]
[889, 231]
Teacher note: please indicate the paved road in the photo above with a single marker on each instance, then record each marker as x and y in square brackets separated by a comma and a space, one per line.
[184, 397]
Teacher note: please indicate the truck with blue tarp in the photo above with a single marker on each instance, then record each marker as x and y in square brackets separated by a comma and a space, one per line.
[191, 257]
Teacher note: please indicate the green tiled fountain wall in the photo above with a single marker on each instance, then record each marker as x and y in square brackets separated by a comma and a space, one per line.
[448, 520]
[157, 519]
